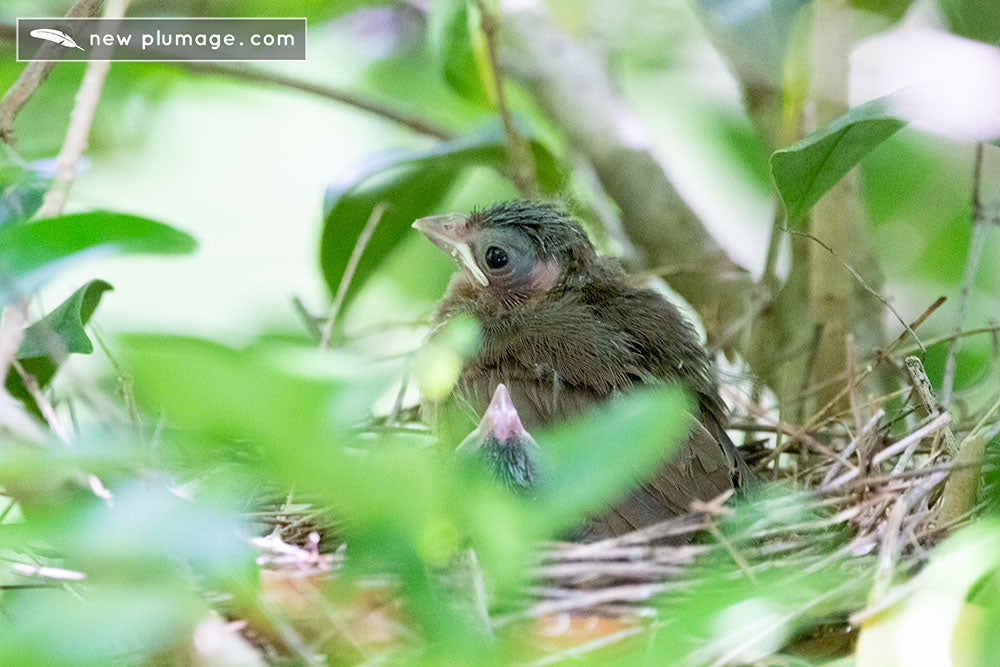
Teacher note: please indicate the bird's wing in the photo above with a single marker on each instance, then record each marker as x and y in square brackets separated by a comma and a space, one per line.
[698, 470]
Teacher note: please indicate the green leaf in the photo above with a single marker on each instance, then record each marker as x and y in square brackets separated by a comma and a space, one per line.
[21, 192]
[892, 9]
[47, 342]
[754, 34]
[63, 327]
[804, 171]
[592, 460]
[31, 253]
[412, 186]
[451, 46]
[975, 19]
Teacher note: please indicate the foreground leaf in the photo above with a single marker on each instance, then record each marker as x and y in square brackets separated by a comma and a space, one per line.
[594, 459]
[31, 253]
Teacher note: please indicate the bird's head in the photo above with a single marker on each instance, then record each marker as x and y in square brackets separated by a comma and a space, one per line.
[516, 247]
[502, 443]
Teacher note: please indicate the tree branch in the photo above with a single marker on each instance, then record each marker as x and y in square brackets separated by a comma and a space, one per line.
[573, 87]
[80, 120]
[262, 76]
[34, 74]
[521, 161]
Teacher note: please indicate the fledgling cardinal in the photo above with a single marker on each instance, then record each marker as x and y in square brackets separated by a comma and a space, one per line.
[563, 329]
[502, 444]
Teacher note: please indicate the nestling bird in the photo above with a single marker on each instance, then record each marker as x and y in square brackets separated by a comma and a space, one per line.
[564, 330]
[500, 441]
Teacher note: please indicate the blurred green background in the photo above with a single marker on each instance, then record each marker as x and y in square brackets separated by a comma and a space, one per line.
[214, 401]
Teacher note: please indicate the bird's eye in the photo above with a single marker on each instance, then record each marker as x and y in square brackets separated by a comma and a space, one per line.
[496, 258]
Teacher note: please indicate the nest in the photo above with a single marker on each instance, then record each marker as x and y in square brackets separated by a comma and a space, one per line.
[869, 496]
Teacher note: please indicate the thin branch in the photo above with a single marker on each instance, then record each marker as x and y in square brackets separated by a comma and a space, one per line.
[80, 120]
[522, 162]
[352, 266]
[925, 392]
[976, 245]
[44, 405]
[265, 77]
[34, 74]
[309, 321]
[13, 320]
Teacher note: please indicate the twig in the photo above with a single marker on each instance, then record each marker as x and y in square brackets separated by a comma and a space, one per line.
[80, 120]
[265, 77]
[857, 442]
[352, 266]
[309, 321]
[868, 288]
[976, 245]
[893, 449]
[48, 412]
[522, 162]
[13, 320]
[34, 74]
[941, 421]
[581, 650]
[922, 385]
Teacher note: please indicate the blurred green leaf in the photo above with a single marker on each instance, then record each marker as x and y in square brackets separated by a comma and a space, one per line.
[452, 47]
[975, 19]
[755, 35]
[30, 253]
[47, 342]
[805, 170]
[593, 460]
[412, 185]
[21, 191]
[139, 556]
[893, 9]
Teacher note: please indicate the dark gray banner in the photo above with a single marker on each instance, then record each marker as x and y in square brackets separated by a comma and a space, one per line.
[161, 39]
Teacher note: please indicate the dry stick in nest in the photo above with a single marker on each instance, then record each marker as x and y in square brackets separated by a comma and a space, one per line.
[922, 386]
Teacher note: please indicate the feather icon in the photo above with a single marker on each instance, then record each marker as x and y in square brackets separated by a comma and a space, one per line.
[57, 36]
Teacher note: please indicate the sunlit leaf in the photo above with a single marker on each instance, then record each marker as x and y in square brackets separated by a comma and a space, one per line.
[31, 253]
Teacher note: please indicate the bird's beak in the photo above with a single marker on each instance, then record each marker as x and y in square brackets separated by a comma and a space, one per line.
[502, 415]
[451, 233]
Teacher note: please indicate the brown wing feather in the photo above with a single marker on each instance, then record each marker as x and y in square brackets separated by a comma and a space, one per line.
[563, 354]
